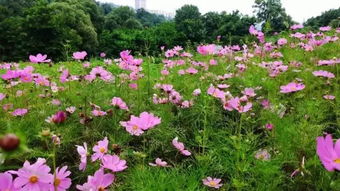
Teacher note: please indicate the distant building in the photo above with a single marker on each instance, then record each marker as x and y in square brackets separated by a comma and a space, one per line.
[140, 4]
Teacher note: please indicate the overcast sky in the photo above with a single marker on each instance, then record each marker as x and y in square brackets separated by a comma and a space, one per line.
[300, 10]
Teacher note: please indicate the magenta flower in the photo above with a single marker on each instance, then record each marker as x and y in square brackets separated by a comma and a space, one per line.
[328, 153]
[6, 182]
[79, 55]
[82, 151]
[100, 149]
[212, 182]
[39, 58]
[19, 112]
[137, 125]
[113, 163]
[292, 87]
[34, 177]
[322, 73]
[180, 147]
[62, 182]
[159, 162]
[98, 182]
[59, 117]
[117, 101]
[269, 126]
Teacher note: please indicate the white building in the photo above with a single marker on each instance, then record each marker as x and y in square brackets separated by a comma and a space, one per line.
[140, 4]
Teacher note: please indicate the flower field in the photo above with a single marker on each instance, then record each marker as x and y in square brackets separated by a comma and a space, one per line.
[262, 116]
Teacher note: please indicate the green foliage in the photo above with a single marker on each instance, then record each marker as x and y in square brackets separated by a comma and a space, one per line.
[274, 14]
[330, 17]
[188, 20]
[149, 19]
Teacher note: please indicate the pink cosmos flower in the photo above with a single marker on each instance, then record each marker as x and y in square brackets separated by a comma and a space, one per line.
[6, 182]
[215, 92]
[102, 54]
[191, 70]
[252, 30]
[282, 41]
[113, 162]
[296, 26]
[98, 182]
[62, 182]
[180, 147]
[2, 96]
[137, 125]
[269, 126]
[213, 62]
[330, 97]
[19, 112]
[292, 87]
[117, 101]
[212, 182]
[237, 104]
[325, 28]
[59, 117]
[39, 58]
[196, 92]
[165, 72]
[265, 104]
[250, 92]
[328, 153]
[82, 151]
[133, 86]
[100, 149]
[33, 177]
[71, 109]
[159, 162]
[98, 113]
[323, 73]
[64, 76]
[262, 154]
[56, 102]
[79, 55]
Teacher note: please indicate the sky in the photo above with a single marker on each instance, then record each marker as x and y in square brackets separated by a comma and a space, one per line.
[300, 10]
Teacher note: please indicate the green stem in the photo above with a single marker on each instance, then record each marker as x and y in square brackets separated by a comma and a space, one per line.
[54, 167]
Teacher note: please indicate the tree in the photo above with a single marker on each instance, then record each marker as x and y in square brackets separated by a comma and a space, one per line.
[122, 17]
[272, 12]
[148, 19]
[189, 21]
[330, 17]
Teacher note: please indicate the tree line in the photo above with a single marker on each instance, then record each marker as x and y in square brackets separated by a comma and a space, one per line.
[60, 27]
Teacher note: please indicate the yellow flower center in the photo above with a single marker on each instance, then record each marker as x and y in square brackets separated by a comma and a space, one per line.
[33, 179]
[135, 127]
[337, 161]
[102, 149]
[57, 182]
[212, 183]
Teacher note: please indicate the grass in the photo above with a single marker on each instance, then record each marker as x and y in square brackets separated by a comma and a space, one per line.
[223, 142]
